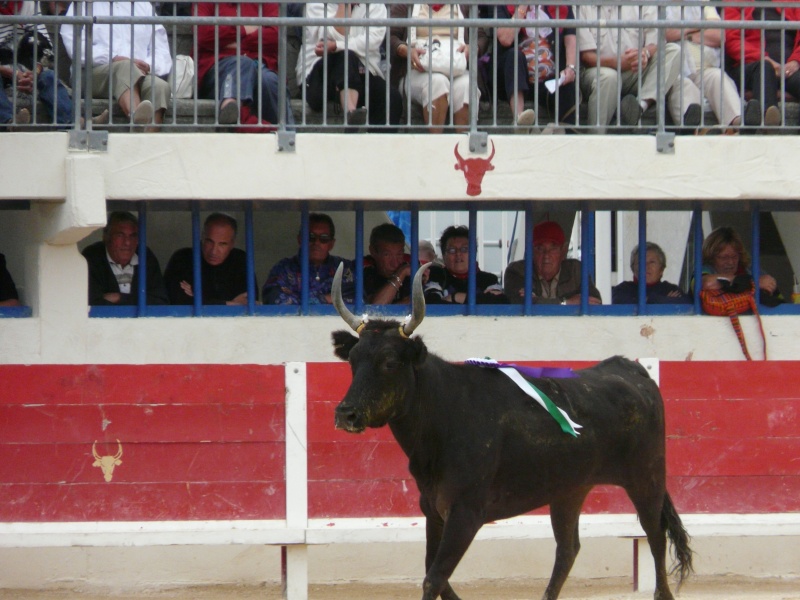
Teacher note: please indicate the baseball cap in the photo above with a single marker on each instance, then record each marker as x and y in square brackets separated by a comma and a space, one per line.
[548, 231]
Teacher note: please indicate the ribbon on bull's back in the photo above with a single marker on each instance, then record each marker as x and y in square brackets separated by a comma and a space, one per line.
[516, 372]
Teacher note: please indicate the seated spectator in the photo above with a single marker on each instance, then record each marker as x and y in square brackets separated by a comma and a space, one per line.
[284, 283]
[450, 284]
[114, 265]
[702, 67]
[33, 50]
[625, 60]
[142, 97]
[223, 268]
[427, 253]
[757, 53]
[435, 92]
[350, 64]
[656, 290]
[526, 56]
[556, 278]
[726, 266]
[232, 75]
[387, 269]
[8, 291]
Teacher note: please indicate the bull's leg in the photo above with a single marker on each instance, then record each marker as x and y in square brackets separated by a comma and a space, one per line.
[564, 515]
[457, 534]
[434, 526]
[648, 504]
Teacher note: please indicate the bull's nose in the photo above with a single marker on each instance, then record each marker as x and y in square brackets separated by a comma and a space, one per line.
[347, 419]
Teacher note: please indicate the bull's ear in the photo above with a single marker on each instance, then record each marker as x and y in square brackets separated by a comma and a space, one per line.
[420, 351]
[343, 342]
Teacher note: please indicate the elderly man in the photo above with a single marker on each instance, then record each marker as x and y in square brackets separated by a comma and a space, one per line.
[223, 268]
[114, 265]
[556, 278]
[615, 59]
[284, 284]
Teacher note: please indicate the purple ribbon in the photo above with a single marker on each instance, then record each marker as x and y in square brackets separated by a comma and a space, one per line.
[535, 372]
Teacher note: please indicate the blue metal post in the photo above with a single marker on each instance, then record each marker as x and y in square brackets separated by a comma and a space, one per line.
[141, 291]
[755, 221]
[697, 229]
[587, 256]
[250, 264]
[304, 269]
[197, 269]
[359, 266]
[641, 290]
[472, 274]
[527, 303]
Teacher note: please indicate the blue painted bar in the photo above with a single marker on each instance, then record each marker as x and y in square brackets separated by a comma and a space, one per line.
[304, 269]
[697, 230]
[472, 273]
[197, 269]
[587, 256]
[141, 292]
[359, 261]
[527, 302]
[641, 291]
[755, 228]
[250, 264]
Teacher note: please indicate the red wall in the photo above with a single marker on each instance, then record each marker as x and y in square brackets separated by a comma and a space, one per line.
[198, 442]
[207, 442]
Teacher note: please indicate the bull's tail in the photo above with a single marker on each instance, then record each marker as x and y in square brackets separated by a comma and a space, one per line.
[681, 552]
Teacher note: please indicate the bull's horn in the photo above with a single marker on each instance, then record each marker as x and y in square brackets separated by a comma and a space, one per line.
[94, 450]
[336, 295]
[491, 156]
[119, 452]
[458, 155]
[418, 301]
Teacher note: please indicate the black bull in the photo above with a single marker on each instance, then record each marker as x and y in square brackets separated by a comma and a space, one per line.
[480, 449]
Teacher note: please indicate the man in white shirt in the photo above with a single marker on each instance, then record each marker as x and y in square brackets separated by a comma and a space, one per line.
[137, 82]
[614, 59]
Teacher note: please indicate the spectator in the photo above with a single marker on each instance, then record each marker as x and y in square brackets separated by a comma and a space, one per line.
[284, 284]
[756, 54]
[353, 57]
[435, 92]
[138, 83]
[387, 270]
[33, 50]
[656, 290]
[702, 66]
[726, 266]
[427, 253]
[8, 291]
[450, 284]
[625, 59]
[223, 268]
[114, 265]
[556, 278]
[522, 77]
[243, 54]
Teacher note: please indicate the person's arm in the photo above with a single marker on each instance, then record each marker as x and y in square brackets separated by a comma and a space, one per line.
[514, 281]
[207, 34]
[162, 57]
[624, 293]
[279, 287]
[358, 40]
[176, 273]
[387, 293]
[507, 35]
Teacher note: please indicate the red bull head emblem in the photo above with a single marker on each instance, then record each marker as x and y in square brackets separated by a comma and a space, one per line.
[474, 170]
[107, 463]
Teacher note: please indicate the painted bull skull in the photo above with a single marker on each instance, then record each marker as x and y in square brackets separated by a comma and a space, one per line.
[474, 170]
[107, 463]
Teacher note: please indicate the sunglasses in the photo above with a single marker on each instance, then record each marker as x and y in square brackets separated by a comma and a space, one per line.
[323, 238]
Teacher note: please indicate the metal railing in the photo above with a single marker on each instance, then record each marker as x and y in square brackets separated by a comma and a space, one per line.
[489, 108]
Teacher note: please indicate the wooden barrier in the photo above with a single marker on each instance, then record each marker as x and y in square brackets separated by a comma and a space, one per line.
[247, 454]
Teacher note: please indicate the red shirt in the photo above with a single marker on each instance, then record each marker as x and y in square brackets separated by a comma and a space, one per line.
[207, 35]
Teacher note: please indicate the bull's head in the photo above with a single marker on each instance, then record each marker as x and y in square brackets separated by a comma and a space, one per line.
[474, 170]
[107, 463]
[383, 361]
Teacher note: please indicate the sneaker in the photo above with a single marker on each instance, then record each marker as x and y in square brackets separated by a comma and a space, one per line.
[229, 114]
[752, 113]
[772, 117]
[629, 111]
[357, 117]
[525, 120]
[693, 115]
[144, 113]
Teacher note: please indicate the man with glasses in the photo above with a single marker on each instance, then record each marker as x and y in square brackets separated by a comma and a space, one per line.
[114, 265]
[556, 278]
[284, 284]
[450, 284]
[223, 267]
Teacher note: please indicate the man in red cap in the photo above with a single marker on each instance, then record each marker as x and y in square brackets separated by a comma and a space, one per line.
[556, 278]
